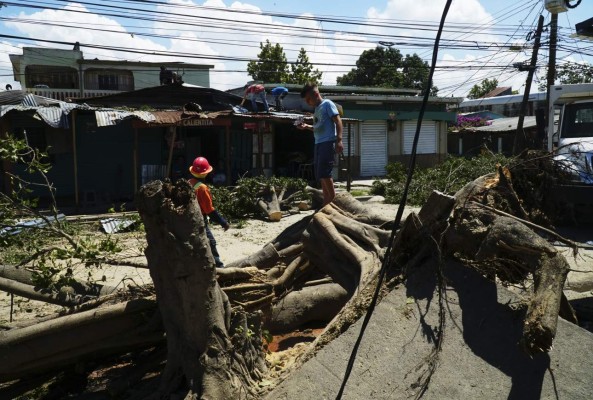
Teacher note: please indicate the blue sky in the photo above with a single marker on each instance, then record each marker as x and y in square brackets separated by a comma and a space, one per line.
[483, 31]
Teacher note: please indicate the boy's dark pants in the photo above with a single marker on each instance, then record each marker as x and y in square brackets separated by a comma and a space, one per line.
[219, 264]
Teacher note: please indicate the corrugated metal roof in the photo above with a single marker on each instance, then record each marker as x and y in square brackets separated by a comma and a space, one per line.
[283, 116]
[175, 117]
[20, 97]
[114, 117]
[504, 125]
[515, 98]
[52, 112]
[497, 91]
[166, 97]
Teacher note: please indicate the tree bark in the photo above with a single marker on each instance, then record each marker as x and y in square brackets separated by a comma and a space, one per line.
[22, 275]
[202, 359]
[506, 248]
[265, 258]
[66, 297]
[62, 341]
[314, 303]
[355, 208]
[271, 208]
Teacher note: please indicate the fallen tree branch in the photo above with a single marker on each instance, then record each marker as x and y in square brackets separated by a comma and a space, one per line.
[560, 238]
[65, 298]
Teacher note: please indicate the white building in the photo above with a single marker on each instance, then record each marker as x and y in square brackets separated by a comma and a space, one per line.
[63, 74]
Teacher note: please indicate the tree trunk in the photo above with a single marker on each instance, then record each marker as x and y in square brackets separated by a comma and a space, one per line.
[504, 247]
[313, 303]
[265, 258]
[355, 208]
[65, 340]
[202, 359]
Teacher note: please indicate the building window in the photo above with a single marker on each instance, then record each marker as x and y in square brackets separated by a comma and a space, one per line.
[107, 82]
[108, 79]
[51, 77]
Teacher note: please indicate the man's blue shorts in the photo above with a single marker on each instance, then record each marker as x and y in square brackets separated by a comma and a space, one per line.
[323, 159]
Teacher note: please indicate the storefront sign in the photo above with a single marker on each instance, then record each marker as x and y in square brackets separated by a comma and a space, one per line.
[197, 122]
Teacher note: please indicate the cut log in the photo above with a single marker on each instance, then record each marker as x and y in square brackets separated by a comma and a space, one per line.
[314, 303]
[271, 209]
[63, 341]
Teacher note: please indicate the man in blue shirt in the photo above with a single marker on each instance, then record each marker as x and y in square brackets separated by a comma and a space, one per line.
[279, 93]
[327, 129]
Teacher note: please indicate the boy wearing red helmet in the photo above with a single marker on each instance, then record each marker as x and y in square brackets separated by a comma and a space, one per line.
[199, 169]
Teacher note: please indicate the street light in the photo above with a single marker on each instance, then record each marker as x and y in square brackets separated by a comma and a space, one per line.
[584, 29]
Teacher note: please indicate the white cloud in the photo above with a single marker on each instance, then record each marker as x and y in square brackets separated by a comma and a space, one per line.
[469, 13]
[6, 73]
[208, 33]
[431, 10]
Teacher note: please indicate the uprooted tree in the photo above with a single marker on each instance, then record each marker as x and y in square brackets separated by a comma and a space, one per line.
[214, 350]
[323, 268]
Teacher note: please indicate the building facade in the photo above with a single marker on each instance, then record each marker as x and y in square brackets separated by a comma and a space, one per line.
[385, 125]
[508, 106]
[62, 74]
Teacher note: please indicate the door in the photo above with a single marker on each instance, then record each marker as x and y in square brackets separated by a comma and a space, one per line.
[427, 142]
[373, 148]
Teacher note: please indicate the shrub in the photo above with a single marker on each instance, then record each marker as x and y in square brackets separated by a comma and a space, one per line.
[240, 202]
[448, 177]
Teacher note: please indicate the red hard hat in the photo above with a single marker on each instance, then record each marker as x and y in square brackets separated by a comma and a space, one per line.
[200, 166]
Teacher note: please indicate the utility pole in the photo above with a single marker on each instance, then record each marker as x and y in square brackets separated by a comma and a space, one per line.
[520, 139]
[551, 63]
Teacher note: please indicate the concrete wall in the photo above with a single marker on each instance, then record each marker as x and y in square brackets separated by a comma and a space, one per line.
[148, 76]
[144, 75]
[472, 142]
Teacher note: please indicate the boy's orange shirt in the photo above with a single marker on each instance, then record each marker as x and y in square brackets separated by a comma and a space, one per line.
[204, 196]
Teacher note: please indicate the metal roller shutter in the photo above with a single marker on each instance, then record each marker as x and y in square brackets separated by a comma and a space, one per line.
[353, 143]
[373, 148]
[427, 142]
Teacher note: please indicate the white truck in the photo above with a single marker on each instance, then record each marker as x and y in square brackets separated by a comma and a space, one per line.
[572, 137]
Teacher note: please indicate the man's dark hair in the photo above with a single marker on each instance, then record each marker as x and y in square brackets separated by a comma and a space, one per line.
[308, 88]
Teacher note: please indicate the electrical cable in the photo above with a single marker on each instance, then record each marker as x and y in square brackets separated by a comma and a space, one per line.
[569, 5]
[400, 209]
[225, 23]
[514, 58]
[451, 44]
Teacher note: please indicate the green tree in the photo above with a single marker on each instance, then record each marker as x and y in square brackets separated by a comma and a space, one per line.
[302, 70]
[386, 67]
[486, 86]
[271, 66]
[569, 73]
